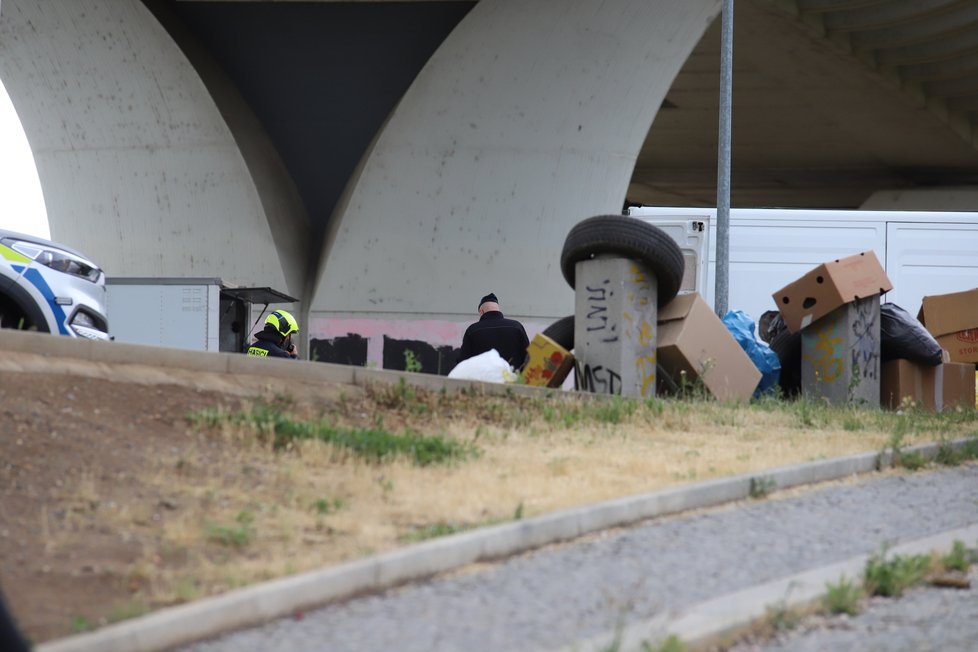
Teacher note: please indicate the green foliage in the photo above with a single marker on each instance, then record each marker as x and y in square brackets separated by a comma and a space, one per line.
[891, 577]
[781, 618]
[329, 506]
[128, 611]
[614, 410]
[81, 624]
[951, 456]
[445, 528]
[435, 530]
[913, 461]
[808, 411]
[518, 514]
[761, 487]
[372, 444]
[670, 644]
[958, 559]
[842, 598]
[234, 536]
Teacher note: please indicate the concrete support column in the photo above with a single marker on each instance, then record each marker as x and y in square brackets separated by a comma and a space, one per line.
[528, 119]
[615, 327]
[138, 166]
[840, 355]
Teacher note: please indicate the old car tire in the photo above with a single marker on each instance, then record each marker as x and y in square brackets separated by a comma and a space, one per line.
[562, 332]
[631, 238]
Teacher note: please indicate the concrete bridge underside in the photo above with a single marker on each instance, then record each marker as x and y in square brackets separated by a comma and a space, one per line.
[388, 176]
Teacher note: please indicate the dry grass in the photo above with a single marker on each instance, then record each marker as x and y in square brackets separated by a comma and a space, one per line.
[247, 513]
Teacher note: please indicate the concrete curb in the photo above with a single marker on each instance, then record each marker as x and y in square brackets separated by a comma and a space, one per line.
[256, 604]
[237, 364]
[720, 620]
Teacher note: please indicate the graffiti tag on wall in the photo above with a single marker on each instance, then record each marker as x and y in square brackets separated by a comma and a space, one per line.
[599, 318]
[866, 348]
[828, 360]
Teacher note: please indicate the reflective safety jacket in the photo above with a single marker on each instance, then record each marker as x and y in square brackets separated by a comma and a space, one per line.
[266, 346]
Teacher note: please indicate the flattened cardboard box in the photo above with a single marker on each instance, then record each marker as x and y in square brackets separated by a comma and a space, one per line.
[829, 286]
[953, 321]
[947, 385]
[548, 364]
[692, 338]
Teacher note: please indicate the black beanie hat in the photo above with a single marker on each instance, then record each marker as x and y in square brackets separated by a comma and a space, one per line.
[488, 297]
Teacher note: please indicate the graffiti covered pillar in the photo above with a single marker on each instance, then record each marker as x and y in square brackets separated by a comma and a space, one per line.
[615, 326]
[840, 355]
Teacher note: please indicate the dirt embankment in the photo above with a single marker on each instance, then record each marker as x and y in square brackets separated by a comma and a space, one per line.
[113, 504]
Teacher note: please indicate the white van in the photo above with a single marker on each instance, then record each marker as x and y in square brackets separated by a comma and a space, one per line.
[924, 253]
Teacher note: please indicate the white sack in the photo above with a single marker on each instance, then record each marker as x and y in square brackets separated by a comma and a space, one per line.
[488, 366]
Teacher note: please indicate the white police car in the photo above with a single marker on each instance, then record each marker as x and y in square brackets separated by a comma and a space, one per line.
[47, 287]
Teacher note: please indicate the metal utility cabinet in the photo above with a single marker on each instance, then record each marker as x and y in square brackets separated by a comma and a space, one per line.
[202, 314]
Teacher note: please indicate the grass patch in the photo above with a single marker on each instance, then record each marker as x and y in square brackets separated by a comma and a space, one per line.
[233, 536]
[372, 444]
[81, 624]
[443, 529]
[328, 505]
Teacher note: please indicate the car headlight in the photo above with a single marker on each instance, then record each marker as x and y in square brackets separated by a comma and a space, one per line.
[55, 258]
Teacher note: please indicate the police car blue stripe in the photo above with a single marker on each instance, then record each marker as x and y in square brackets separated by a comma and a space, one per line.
[38, 281]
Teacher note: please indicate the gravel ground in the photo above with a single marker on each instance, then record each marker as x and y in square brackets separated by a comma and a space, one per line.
[555, 596]
[923, 620]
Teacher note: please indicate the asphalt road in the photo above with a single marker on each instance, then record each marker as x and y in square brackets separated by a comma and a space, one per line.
[552, 597]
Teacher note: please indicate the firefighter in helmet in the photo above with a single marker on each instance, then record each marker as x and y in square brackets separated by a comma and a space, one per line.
[275, 340]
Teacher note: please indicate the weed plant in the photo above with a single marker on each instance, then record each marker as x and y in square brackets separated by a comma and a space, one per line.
[959, 559]
[761, 487]
[891, 577]
[842, 597]
[234, 536]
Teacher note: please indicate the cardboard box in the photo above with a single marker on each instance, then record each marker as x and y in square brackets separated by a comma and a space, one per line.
[829, 286]
[953, 320]
[947, 385]
[692, 339]
[548, 363]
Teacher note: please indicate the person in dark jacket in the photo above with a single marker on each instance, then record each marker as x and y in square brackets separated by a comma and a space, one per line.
[11, 640]
[494, 331]
[275, 340]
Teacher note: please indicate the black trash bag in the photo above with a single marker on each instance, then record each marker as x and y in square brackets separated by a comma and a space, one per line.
[787, 345]
[902, 337]
[769, 325]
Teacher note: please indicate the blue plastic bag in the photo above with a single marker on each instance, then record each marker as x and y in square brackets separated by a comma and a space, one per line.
[741, 326]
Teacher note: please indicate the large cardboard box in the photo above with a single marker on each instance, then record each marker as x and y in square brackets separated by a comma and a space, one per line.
[829, 286]
[692, 339]
[953, 320]
[548, 363]
[947, 385]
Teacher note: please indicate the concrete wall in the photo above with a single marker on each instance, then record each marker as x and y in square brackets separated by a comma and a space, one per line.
[138, 167]
[527, 119]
